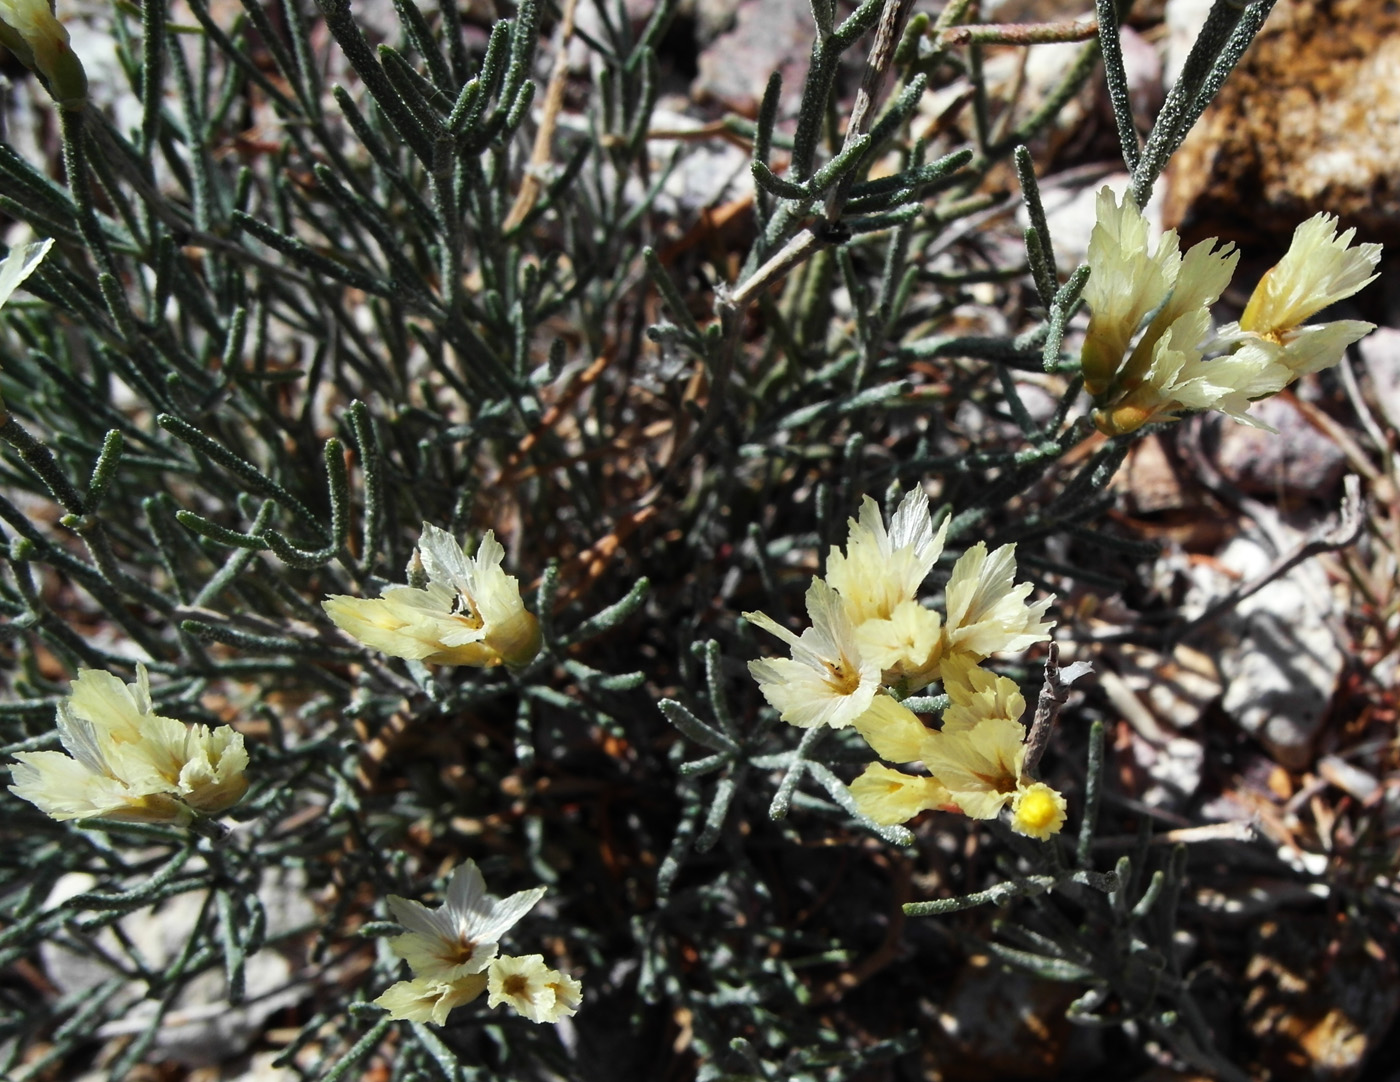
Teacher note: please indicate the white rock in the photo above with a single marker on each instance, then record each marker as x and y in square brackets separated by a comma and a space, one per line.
[1282, 661]
[201, 1028]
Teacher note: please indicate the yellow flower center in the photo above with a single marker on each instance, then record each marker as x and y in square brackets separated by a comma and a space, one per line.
[460, 952]
[515, 985]
[1038, 810]
[842, 676]
[465, 610]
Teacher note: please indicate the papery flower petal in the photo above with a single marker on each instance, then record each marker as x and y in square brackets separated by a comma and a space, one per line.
[398, 624]
[826, 682]
[126, 762]
[29, 29]
[469, 613]
[443, 959]
[1318, 346]
[212, 779]
[890, 797]
[531, 988]
[981, 766]
[1203, 277]
[1319, 269]
[1125, 284]
[424, 1000]
[987, 610]
[568, 994]
[64, 788]
[893, 731]
[461, 936]
[977, 695]
[19, 264]
[907, 646]
[881, 569]
[506, 912]
[1180, 379]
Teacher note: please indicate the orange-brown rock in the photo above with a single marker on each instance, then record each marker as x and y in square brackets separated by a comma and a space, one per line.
[1308, 121]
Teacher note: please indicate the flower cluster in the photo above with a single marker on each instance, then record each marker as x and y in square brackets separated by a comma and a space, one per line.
[453, 952]
[468, 612]
[1181, 362]
[459, 610]
[976, 761]
[871, 637]
[127, 762]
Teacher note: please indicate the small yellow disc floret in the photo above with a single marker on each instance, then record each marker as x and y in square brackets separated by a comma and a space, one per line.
[1038, 811]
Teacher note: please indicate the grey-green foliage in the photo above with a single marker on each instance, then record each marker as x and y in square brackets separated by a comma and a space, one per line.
[827, 382]
[1112, 933]
[255, 368]
[286, 322]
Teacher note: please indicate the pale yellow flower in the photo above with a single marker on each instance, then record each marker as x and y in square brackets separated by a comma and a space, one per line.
[85, 784]
[890, 797]
[1174, 368]
[470, 612]
[987, 610]
[983, 770]
[980, 766]
[1165, 373]
[878, 578]
[1203, 276]
[881, 569]
[907, 645]
[425, 1000]
[826, 681]
[128, 762]
[533, 989]
[460, 937]
[39, 41]
[977, 695]
[1319, 269]
[1180, 379]
[1125, 284]
[1038, 811]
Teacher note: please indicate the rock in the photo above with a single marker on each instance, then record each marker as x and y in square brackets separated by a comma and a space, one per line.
[1151, 480]
[1296, 462]
[1183, 19]
[1300, 127]
[712, 17]
[708, 174]
[1032, 74]
[1177, 687]
[201, 1028]
[1279, 658]
[768, 36]
[1173, 771]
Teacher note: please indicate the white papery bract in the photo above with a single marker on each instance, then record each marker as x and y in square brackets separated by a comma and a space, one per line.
[126, 762]
[469, 613]
[826, 681]
[461, 936]
[882, 568]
